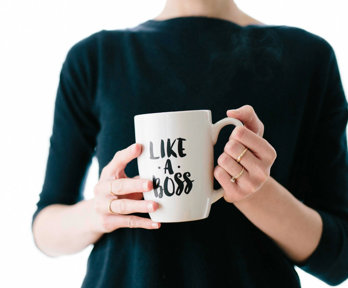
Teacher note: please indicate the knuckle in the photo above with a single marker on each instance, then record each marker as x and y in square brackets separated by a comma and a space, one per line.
[238, 131]
[131, 222]
[249, 109]
[143, 223]
[106, 223]
[222, 159]
[248, 106]
[217, 172]
[147, 225]
[227, 147]
[262, 128]
[268, 172]
[261, 175]
[234, 145]
[231, 146]
[225, 159]
[118, 188]
[121, 206]
[274, 154]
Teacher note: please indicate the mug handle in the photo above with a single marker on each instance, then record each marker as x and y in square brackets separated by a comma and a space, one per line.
[215, 130]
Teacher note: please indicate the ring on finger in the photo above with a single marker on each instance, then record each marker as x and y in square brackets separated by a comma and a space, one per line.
[109, 206]
[241, 155]
[234, 178]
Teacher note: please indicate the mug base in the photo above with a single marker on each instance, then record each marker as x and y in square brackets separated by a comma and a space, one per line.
[177, 220]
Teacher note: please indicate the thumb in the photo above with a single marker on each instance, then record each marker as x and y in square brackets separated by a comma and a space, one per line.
[115, 168]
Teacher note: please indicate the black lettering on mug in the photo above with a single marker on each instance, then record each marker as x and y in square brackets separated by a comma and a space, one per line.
[170, 150]
[181, 182]
[180, 147]
[156, 186]
[188, 182]
[151, 151]
[166, 186]
[168, 167]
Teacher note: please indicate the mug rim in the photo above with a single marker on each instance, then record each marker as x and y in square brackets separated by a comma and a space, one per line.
[172, 112]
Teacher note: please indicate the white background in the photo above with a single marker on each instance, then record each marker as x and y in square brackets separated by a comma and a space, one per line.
[35, 37]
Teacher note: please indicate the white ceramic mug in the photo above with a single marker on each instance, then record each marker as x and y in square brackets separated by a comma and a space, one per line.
[178, 157]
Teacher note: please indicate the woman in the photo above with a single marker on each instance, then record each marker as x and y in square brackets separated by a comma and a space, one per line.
[289, 204]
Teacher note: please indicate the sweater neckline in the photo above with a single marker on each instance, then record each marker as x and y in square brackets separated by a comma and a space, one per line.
[192, 20]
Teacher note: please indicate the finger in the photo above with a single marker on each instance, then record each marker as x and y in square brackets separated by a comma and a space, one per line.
[124, 186]
[247, 115]
[249, 180]
[132, 221]
[232, 191]
[258, 145]
[234, 148]
[129, 185]
[229, 164]
[244, 181]
[115, 168]
[128, 206]
[134, 196]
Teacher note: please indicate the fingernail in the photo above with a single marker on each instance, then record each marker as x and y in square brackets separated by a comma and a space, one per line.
[155, 206]
[232, 110]
[150, 207]
[146, 185]
[155, 225]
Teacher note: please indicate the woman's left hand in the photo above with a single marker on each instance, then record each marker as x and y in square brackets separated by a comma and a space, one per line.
[257, 160]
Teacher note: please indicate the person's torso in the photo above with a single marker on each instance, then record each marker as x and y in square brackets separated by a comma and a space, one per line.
[198, 63]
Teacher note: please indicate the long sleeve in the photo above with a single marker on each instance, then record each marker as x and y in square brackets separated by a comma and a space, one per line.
[75, 126]
[327, 173]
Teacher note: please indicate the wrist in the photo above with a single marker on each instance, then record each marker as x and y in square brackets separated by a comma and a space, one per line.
[87, 212]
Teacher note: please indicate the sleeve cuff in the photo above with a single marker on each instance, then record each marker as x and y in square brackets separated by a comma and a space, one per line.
[321, 263]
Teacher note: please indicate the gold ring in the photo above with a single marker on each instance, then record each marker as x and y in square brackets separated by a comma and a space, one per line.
[241, 155]
[109, 206]
[234, 178]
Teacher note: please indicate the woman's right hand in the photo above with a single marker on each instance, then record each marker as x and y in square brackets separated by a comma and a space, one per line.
[127, 196]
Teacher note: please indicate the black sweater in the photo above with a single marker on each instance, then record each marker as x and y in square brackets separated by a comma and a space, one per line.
[288, 75]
